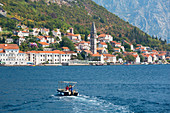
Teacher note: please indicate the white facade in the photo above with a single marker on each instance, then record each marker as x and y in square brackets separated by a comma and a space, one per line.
[84, 45]
[123, 49]
[41, 39]
[20, 40]
[109, 58]
[10, 55]
[49, 40]
[131, 47]
[23, 33]
[137, 60]
[102, 45]
[9, 40]
[105, 37]
[35, 32]
[57, 33]
[45, 31]
[52, 57]
[0, 28]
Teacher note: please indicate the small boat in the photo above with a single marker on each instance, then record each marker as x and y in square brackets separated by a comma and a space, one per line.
[62, 88]
[99, 64]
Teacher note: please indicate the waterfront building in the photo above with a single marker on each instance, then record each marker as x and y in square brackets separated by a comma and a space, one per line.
[97, 57]
[93, 39]
[137, 58]
[11, 55]
[51, 57]
[154, 57]
[148, 58]
[109, 58]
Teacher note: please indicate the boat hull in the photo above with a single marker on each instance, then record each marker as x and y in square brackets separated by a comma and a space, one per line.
[67, 93]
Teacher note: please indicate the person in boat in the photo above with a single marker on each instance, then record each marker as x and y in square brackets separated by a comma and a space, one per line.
[71, 89]
[67, 88]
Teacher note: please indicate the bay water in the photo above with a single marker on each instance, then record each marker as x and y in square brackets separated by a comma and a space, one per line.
[102, 89]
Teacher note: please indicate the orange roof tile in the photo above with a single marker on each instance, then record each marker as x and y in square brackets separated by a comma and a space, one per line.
[40, 37]
[78, 50]
[138, 45]
[65, 48]
[135, 55]
[96, 55]
[108, 55]
[88, 51]
[102, 35]
[116, 48]
[25, 32]
[55, 52]
[9, 46]
[103, 43]
[21, 52]
[100, 48]
[43, 43]
[2, 51]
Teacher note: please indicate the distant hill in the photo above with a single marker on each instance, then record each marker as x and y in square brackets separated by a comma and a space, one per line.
[78, 14]
[150, 16]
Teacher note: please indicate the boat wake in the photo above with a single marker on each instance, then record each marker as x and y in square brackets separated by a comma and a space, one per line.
[84, 103]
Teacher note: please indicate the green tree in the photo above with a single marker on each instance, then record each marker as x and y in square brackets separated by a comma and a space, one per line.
[141, 58]
[79, 56]
[66, 42]
[50, 33]
[130, 58]
[110, 48]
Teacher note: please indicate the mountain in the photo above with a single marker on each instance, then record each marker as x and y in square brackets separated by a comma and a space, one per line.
[78, 14]
[151, 16]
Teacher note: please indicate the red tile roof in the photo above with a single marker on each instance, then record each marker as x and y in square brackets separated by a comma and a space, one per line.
[9, 46]
[40, 37]
[108, 55]
[65, 48]
[103, 43]
[96, 55]
[56, 51]
[102, 35]
[43, 43]
[88, 51]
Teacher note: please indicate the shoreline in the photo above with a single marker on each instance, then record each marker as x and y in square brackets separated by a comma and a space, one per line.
[76, 65]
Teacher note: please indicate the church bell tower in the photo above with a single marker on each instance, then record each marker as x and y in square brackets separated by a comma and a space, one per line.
[93, 39]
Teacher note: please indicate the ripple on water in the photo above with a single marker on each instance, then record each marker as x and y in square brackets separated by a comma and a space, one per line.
[84, 103]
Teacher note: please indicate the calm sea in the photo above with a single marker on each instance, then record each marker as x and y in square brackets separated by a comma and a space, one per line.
[103, 89]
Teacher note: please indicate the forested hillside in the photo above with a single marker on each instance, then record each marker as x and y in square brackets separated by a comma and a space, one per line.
[78, 14]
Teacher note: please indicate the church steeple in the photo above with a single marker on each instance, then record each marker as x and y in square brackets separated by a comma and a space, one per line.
[93, 28]
[93, 39]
